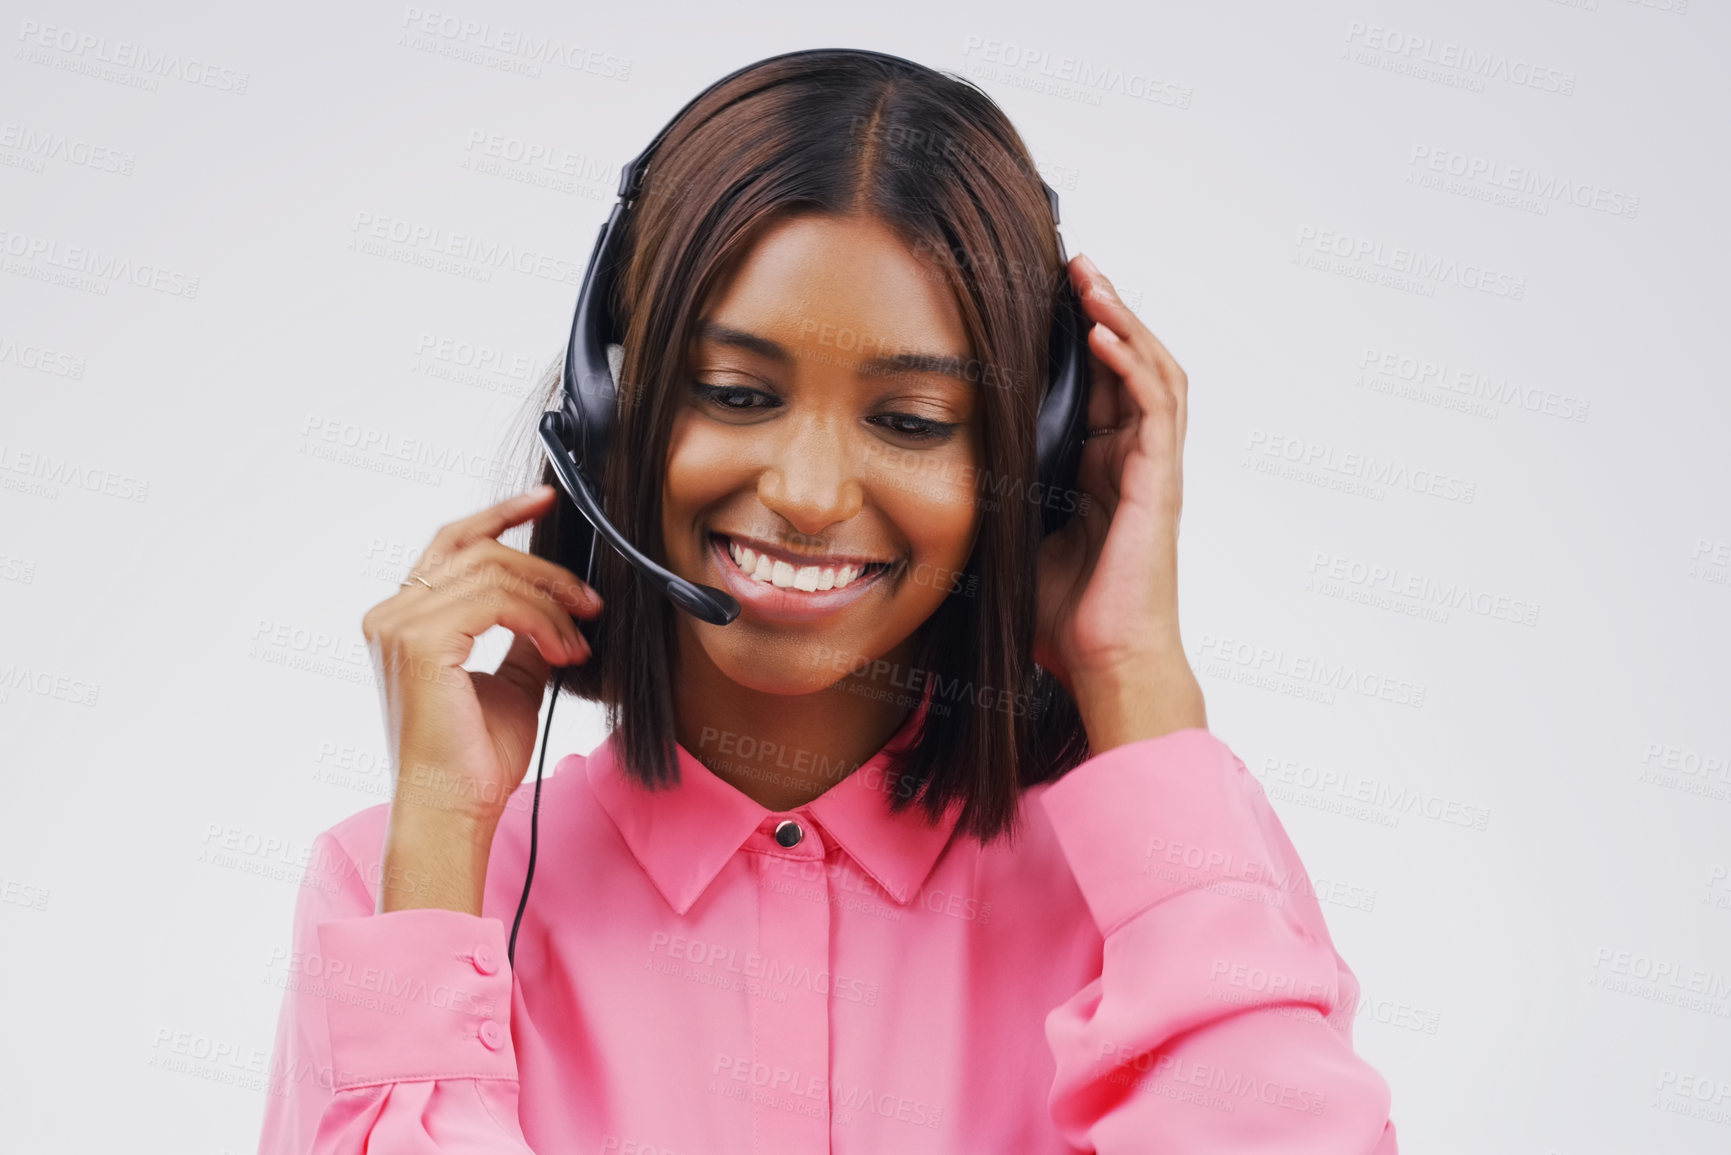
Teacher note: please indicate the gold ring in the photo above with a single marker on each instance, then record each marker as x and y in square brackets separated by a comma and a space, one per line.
[415, 577]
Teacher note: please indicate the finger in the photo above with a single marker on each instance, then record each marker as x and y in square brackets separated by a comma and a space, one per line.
[536, 576]
[447, 622]
[489, 570]
[491, 522]
[1170, 371]
[1151, 396]
[538, 602]
[1099, 470]
[1100, 301]
[1106, 398]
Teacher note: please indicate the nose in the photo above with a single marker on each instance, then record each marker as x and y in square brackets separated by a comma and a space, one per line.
[812, 479]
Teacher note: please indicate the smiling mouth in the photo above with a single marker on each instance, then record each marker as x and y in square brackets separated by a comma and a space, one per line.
[772, 570]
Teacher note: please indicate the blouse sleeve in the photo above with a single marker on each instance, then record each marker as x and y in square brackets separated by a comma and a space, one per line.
[1221, 1019]
[395, 1029]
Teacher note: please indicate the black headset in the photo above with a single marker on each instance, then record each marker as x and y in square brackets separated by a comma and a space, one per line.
[576, 435]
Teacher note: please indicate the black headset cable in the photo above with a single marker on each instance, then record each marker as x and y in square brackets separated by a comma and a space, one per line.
[534, 820]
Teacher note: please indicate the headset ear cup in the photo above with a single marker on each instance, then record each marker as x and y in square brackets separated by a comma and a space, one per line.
[1063, 412]
[569, 430]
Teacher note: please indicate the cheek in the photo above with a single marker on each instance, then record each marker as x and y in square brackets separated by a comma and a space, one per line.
[935, 497]
[701, 469]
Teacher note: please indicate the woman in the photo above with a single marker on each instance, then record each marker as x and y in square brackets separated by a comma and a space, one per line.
[931, 849]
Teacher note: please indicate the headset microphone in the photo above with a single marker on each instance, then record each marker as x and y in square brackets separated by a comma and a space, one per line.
[576, 435]
[706, 602]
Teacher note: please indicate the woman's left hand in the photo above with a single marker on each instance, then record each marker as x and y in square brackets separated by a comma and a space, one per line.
[1108, 581]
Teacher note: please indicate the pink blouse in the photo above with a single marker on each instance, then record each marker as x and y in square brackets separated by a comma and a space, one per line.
[1144, 969]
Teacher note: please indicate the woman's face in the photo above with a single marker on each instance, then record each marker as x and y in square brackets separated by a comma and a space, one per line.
[797, 436]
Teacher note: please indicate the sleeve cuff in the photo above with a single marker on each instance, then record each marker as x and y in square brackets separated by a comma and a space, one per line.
[1150, 819]
[415, 994]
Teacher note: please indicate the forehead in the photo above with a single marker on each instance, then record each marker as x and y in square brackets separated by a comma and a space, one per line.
[842, 282]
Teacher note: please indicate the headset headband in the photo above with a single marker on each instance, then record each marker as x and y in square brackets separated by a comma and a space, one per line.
[631, 174]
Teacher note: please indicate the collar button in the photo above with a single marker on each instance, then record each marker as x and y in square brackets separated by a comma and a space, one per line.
[789, 833]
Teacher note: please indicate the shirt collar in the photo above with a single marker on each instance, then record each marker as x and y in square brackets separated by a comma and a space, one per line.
[682, 836]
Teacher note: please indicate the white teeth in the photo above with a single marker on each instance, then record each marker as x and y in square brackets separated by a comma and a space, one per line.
[784, 575]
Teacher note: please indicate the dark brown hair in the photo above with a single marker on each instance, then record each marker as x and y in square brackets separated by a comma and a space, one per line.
[933, 158]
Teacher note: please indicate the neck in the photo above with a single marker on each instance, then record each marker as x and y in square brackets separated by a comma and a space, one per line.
[782, 750]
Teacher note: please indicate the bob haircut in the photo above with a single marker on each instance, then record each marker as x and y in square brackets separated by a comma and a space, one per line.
[932, 157]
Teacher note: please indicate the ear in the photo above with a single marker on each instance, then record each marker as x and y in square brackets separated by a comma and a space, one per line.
[615, 363]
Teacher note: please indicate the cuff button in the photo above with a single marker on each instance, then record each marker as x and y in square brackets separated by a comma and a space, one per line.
[491, 1035]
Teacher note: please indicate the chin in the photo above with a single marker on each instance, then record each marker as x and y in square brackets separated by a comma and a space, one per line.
[779, 663]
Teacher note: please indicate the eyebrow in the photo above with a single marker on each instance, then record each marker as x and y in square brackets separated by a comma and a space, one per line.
[948, 365]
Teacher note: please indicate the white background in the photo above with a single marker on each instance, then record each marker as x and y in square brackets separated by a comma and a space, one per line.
[1521, 828]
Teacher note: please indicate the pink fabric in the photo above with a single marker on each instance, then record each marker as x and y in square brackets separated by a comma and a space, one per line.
[1144, 969]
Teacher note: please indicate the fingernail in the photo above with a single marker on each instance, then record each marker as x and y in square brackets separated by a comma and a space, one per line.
[1088, 264]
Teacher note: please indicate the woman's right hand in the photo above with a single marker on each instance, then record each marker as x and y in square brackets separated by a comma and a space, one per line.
[461, 740]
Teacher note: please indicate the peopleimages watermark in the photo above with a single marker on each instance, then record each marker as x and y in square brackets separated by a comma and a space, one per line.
[1662, 980]
[814, 1095]
[1301, 675]
[477, 356]
[1468, 383]
[1704, 774]
[886, 679]
[1421, 56]
[870, 346]
[778, 973]
[1401, 266]
[88, 269]
[1349, 471]
[1069, 77]
[436, 246]
[911, 467]
[1693, 1096]
[1377, 579]
[371, 987]
[543, 166]
[1544, 188]
[42, 473]
[764, 756]
[34, 147]
[16, 676]
[446, 35]
[40, 359]
[385, 451]
[86, 52]
[1356, 796]
[1155, 1074]
[23, 894]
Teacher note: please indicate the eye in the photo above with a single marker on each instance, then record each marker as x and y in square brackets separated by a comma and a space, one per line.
[726, 396]
[742, 399]
[918, 428]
